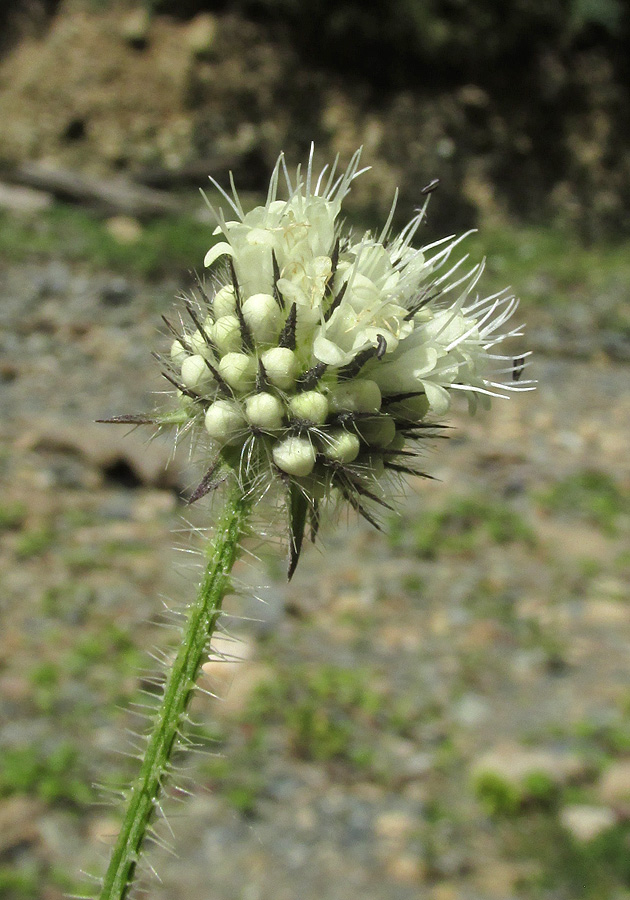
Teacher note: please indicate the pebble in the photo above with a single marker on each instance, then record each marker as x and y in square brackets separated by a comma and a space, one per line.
[124, 229]
[117, 292]
[23, 200]
[586, 822]
[515, 763]
[18, 822]
[614, 786]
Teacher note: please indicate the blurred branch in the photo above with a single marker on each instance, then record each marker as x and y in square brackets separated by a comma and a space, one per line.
[116, 196]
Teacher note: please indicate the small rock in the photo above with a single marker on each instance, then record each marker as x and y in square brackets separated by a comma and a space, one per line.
[134, 28]
[18, 822]
[104, 830]
[23, 200]
[230, 674]
[406, 869]
[614, 786]
[514, 764]
[471, 710]
[116, 292]
[394, 826]
[124, 229]
[201, 34]
[585, 822]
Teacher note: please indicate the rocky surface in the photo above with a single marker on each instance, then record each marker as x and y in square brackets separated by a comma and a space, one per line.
[486, 631]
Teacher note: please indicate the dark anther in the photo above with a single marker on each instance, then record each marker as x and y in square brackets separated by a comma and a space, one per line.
[208, 483]
[129, 420]
[333, 306]
[287, 335]
[353, 368]
[246, 336]
[309, 379]
[407, 470]
[262, 380]
[192, 312]
[179, 337]
[398, 398]
[430, 187]
[276, 279]
[364, 492]
[314, 517]
[202, 290]
[334, 261]
[425, 299]
[224, 389]
[180, 387]
[518, 367]
[358, 507]
[237, 292]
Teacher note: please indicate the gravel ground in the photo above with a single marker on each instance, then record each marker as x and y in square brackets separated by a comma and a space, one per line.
[449, 715]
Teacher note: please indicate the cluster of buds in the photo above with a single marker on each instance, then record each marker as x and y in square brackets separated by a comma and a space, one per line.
[319, 359]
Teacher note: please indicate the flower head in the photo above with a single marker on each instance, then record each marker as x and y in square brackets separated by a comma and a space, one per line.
[319, 358]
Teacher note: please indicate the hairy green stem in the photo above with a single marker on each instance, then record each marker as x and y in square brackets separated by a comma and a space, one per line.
[144, 794]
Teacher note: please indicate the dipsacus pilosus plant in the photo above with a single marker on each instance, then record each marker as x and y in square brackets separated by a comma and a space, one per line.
[311, 366]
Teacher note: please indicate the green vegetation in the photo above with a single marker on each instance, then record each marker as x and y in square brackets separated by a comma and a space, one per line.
[326, 713]
[12, 516]
[591, 495]
[549, 268]
[463, 525]
[501, 797]
[165, 246]
[569, 869]
[35, 542]
[19, 883]
[53, 776]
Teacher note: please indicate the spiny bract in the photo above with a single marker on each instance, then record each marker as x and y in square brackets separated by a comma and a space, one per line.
[318, 356]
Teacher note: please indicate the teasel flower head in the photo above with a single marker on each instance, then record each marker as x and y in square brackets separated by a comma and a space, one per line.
[319, 359]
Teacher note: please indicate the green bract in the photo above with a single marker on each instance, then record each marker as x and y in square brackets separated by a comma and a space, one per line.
[319, 355]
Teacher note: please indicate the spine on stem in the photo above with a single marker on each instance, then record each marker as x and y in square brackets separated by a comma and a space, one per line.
[144, 794]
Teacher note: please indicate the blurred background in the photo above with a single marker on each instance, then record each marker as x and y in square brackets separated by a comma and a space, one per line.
[441, 711]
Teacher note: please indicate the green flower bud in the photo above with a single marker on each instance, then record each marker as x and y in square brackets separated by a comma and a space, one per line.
[178, 353]
[295, 456]
[378, 432]
[224, 302]
[196, 376]
[281, 367]
[226, 334]
[413, 408]
[358, 395]
[341, 445]
[264, 411]
[224, 421]
[198, 343]
[238, 370]
[309, 406]
[263, 317]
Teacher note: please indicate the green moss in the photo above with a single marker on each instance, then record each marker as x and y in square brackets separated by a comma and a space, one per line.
[19, 883]
[461, 526]
[51, 776]
[35, 542]
[12, 516]
[569, 869]
[165, 246]
[501, 797]
[591, 495]
[497, 796]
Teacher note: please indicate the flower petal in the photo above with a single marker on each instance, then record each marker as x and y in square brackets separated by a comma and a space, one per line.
[215, 252]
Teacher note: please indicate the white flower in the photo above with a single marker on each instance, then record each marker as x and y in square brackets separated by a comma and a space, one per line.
[320, 354]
